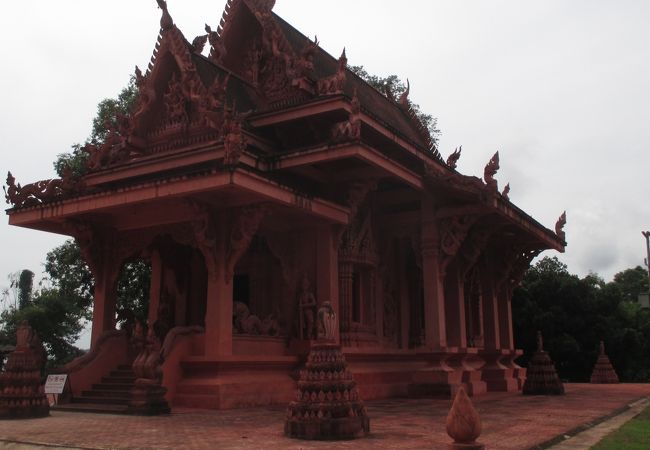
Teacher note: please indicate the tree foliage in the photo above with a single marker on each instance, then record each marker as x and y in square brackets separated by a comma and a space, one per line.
[60, 311]
[108, 111]
[574, 314]
[25, 288]
[397, 87]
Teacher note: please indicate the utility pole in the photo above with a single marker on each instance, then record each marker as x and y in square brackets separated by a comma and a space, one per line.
[646, 235]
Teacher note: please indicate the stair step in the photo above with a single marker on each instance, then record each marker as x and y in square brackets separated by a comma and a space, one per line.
[92, 408]
[102, 400]
[125, 367]
[113, 386]
[118, 380]
[106, 393]
[121, 373]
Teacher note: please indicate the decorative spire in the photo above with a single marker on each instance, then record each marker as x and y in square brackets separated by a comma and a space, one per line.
[198, 44]
[343, 58]
[490, 171]
[463, 423]
[540, 342]
[452, 160]
[559, 226]
[166, 21]
[506, 191]
[404, 98]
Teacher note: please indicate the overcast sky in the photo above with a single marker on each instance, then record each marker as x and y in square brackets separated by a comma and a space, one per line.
[561, 88]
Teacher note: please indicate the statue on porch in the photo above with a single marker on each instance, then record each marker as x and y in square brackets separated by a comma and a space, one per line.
[307, 309]
[243, 321]
[327, 322]
[148, 394]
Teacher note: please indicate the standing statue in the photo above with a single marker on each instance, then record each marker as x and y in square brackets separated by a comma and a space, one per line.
[326, 322]
[307, 309]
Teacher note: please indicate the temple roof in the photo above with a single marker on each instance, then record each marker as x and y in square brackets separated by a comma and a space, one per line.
[268, 103]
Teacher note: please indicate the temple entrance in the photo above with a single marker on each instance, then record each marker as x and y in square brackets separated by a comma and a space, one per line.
[259, 293]
[178, 289]
[133, 286]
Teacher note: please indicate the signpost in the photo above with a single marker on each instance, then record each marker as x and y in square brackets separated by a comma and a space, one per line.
[55, 384]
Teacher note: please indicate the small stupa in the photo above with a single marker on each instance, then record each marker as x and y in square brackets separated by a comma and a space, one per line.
[328, 406]
[541, 376]
[604, 372]
[21, 393]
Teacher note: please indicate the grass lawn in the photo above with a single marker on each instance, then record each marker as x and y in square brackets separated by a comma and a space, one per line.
[632, 436]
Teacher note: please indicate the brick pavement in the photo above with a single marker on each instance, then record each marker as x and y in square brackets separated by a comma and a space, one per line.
[510, 421]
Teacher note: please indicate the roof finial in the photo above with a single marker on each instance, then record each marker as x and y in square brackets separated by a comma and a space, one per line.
[166, 21]
[404, 98]
[559, 226]
[490, 171]
[452, 160]
[506, 191]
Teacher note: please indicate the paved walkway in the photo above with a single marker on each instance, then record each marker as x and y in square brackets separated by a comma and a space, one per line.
[510, 421]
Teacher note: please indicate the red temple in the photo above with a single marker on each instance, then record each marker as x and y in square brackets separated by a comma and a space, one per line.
[262, 181]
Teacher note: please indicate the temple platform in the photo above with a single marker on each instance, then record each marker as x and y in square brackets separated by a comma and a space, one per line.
[510, 421]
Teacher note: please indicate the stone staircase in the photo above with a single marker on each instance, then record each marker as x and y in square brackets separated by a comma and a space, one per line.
[110, 396]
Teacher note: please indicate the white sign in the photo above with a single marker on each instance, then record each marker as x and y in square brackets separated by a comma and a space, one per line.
[55, 384]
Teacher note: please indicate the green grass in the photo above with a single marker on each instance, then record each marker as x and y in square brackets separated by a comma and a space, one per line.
[634, 435]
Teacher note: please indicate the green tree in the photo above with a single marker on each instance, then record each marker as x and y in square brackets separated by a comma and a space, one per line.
[574, 314]
[397, 87]
[25, 288]
[108, 111]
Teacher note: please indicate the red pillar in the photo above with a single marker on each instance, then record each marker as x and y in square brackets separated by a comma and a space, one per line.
[455, 308]
[327, 270]
[434, 299]
[104, 302]
[491, 319]
[504, 301]
[218, 316]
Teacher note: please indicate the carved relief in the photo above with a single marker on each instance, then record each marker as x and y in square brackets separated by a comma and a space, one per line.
[43, 191]
[473, 248]
[452, 160]
[217, 47]
[490, 171]
[335, 83]
[453, 232]
[146, 96]
[349, 130]
[234, 141]
[244, 228]
[175, 104]
[205, 235]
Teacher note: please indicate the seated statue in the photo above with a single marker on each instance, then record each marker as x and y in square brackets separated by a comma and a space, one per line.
[243, 321]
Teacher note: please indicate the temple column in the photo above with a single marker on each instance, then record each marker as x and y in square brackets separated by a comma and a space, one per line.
[218, 316]
[345, 300]
[404, 300]
[104, 301]
[492, 335]
[327, 270]
[455, 308]
[434, 300]
[504, 301]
